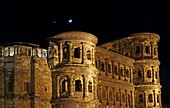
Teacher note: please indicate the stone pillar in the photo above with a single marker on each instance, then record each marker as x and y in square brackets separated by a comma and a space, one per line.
[61, 53]
[83, 52]
[71, 86]
[70, 55]
[93, 56]
[142, 49]
[58, 86]
[145, 98]
[152, 49]
[95, 87]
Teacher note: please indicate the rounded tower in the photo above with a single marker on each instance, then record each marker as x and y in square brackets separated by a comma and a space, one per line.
[146, 74]
[71, 57]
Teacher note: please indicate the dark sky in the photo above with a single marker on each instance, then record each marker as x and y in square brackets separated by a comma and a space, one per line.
[34, 22]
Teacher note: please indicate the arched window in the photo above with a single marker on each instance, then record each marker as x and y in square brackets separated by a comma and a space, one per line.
[78, 85]
[140, 98]
[129, 100]
[77, 52]
[150, 98]
[90, 86]
[64, 87]
[138, 50]
[149, 73]
[123, 97]
[88, 55]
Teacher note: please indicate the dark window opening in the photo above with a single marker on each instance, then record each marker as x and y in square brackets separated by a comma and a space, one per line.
[129, 99]
[140, 98]
[150, 98]
[64, 86]
[109, 68]
[123, 97]
[121, 71]
[157, 98]
[88, 55]
[77, 52]
[117, 96]
[156, 75]
[64, 53]
[147, 49]
[138, 50]
[149, 73]
[102, 66]
[139, 74]
[29, 52]
[45, 88]
[78, 85]
[10, 86]
[116, 70]
[90, 86]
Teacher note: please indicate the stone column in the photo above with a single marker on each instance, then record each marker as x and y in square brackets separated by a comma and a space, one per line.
[145, 98]
[83, 52]
[93, 56]
[95, 87]
[71, 86]
[152, 49]
[58, 86]
[61, 53]
[70, 52]
[142, 49]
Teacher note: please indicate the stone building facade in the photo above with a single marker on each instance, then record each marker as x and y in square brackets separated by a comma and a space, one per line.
[75, 73]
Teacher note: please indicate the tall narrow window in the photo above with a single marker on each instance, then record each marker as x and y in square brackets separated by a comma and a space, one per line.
[109, 68]
[150, 98]
[64, 86]
[149, 73]
[88, 55]
[121, 71]
[102, 66]
[157, 98]
[29, 52]
[138, 50]
[78, 85]
[116, 70]
[156, 75]
[90, 86]
[10, 86]
[140, 98]
[64, 53]
[147, 49]
[77, 52]
[139, 74]
[129, 100]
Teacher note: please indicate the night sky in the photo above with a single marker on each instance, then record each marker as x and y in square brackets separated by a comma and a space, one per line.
[35, 22]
